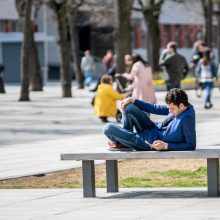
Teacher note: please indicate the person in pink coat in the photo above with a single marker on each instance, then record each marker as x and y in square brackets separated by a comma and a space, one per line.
[142, 77]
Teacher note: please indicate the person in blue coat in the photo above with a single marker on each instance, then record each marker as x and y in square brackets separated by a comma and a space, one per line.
[176, 133]
[206, 71]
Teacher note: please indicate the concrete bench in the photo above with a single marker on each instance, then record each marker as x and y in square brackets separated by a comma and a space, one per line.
[212, 155]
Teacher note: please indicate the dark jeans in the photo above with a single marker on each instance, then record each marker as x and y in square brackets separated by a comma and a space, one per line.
[172, 85]
[208, 86]
[133, 117]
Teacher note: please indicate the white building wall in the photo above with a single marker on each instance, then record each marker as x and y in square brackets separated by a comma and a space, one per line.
[188, 12]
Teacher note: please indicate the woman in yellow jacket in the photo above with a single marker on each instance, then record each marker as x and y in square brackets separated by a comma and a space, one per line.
[105, 99]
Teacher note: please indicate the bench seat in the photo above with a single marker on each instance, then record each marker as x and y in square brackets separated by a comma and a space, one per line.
[212, 154]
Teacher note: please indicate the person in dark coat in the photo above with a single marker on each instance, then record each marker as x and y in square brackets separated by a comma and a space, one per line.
[175, 65]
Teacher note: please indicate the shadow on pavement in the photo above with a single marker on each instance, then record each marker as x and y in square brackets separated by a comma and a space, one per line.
[155, 194]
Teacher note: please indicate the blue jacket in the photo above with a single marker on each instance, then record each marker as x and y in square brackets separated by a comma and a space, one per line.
[213, 70]
[178, 131]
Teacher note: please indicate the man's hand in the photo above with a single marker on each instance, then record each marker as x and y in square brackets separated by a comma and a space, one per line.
[159, 145]
[125, 102]
[191, 65]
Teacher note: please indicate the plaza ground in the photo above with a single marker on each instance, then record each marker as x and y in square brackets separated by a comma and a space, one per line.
[33, 134]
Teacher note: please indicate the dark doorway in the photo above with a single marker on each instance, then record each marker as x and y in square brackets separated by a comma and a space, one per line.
[11, 61]
[102, 40]
[84, 38]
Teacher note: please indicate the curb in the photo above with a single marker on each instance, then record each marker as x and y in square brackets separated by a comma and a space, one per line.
[187, 83]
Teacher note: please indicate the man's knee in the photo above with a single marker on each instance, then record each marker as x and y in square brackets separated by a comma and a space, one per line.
[107, 128]
[130, 108]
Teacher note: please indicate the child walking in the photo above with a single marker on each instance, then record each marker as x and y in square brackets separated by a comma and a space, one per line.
[105, 99]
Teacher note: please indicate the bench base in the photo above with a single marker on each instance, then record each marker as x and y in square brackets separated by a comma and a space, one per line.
[88, 169]
[213, 177]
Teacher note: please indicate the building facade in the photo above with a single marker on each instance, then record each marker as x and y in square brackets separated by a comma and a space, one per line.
[181, 22]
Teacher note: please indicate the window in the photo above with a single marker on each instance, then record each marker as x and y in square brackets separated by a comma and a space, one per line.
[9, 26]
[184, 35]
[13, 26]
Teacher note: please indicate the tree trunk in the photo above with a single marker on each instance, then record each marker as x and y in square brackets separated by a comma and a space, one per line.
[35, 71]
[2, 87]
[209, 23]
[60, 11]
[218, 33]
[25, 52]
[205, 14]
[153, 40]
[151, 12]
[123, 32]
[75, 47]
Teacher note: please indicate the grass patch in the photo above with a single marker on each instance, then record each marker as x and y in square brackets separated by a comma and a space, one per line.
[132, 173]
[200, 172]
[170, 178]
[134, 182]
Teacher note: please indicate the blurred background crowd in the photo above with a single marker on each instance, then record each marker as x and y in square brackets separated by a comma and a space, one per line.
[117, 47]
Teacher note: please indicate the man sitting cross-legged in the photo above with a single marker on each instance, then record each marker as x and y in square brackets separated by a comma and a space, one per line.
[176, 132]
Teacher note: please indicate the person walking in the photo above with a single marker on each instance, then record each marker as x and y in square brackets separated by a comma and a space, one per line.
[105, 99]
[198, 48]
[175, 65]
[107, 60]
[128, 63]
[121, 82]
[142, 86]
[176, 133]
[207, 72]
[88, 67]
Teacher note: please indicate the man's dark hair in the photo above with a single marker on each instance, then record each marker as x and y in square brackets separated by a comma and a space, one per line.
[176, 96]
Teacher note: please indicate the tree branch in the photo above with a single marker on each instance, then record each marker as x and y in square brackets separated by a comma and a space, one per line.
[141, 3]
[158, 5]
[137, 9]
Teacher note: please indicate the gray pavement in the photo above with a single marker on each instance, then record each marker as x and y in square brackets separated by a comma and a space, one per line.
[33, 134]
[149, 204]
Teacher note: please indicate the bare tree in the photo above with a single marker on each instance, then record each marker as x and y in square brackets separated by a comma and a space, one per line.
[97, 13]
[151, 11]
[123, 32]
[36, 81]
[216, 12]
[60, 11]
[218, 30]
[207, 11]
[25, 6]
[72, 20]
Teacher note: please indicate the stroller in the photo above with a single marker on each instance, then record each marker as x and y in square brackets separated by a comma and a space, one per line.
[122, 85]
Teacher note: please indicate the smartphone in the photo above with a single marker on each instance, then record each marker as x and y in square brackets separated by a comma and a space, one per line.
[148, 143]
